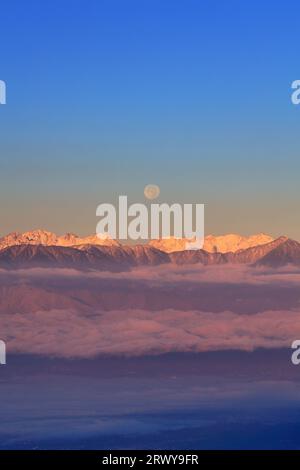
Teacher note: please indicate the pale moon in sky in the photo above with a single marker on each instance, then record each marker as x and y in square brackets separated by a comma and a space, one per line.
[151, 191]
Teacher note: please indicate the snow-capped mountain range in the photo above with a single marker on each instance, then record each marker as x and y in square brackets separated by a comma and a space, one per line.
[42, 248]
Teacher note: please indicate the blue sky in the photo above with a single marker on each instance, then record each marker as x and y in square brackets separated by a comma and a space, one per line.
[104, 97]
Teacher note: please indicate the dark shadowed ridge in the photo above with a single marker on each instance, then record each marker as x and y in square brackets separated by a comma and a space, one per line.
[90, 257]
[285, 253]
[197, 256]
[253, 254]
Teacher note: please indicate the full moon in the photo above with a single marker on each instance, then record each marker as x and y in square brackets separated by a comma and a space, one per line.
[151, 191]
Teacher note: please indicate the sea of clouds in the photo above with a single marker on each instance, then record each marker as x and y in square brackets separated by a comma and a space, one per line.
[93, 330]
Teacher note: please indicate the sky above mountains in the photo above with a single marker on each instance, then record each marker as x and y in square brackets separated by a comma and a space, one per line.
[106, 97]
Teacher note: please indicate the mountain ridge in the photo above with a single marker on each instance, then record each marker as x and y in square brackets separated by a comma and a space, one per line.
[46, 238]
[279, 252]
[223, 243]
[230, 242]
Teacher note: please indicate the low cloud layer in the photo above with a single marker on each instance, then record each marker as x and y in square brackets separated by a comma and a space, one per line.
[167, 273]
[68, 313]
[136, 332]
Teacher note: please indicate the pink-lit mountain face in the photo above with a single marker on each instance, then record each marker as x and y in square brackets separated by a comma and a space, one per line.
[43, 237]
[221, 244]
[43, 249]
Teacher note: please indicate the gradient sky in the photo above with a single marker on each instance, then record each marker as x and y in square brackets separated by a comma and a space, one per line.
[106, 96]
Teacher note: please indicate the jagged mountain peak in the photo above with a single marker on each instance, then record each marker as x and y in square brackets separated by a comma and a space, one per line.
[231, 242]
[44, 237]
[287, 252]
